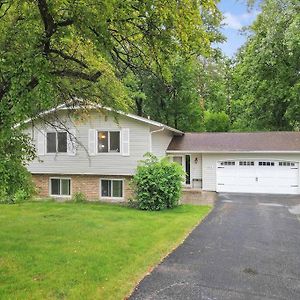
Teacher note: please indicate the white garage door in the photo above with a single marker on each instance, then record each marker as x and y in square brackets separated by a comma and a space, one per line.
[258, 176]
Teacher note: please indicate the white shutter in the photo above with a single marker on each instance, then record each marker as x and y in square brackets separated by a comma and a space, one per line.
[125, 141]
[41, 142]
[92, 141]
[72, 142]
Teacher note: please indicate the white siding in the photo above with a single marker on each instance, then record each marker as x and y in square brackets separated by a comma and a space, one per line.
[196, 169]
[160, 142]
[209, 164]
[104, 164]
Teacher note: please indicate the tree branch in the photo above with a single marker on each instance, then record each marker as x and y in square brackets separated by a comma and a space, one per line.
[68, 57]
[49, 24]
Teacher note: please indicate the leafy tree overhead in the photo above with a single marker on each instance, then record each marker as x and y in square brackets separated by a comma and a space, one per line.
[266, 78]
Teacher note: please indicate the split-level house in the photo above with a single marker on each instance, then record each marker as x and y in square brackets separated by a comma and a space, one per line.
[96, 151]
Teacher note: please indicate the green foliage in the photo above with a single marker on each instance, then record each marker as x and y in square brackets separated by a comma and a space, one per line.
[157, 183]
[266, 74]
[79, 197]
[175, 101]
[216, 121]
[15, 180]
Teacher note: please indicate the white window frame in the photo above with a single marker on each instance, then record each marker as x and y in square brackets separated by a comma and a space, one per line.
[112, 179]
[60, 196]
[109, 153]
[46, 142]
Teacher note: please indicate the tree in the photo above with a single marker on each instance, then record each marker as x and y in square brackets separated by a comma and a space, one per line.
[266, 75]
[216, 121]
[52, 52]
[175, 100]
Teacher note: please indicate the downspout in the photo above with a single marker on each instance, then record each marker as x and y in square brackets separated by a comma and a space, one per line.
[154, 131]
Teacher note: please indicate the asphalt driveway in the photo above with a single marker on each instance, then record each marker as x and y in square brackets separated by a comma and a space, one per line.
[247, 248]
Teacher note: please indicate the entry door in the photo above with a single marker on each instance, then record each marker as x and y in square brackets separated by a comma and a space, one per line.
[185, 162]
[258, 176]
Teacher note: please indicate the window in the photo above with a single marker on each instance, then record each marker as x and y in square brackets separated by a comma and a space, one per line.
[60, 187]
[108, 141]
[266, 163]
[57, 142]
[246, 163]
[286, 164]
[112, 188]
[177, 159]
[228, 163]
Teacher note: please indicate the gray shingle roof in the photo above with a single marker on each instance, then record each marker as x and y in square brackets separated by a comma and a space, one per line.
[237, 142]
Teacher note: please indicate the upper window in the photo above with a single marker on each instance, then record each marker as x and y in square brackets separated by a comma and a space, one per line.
[108, 141]
[57, 142]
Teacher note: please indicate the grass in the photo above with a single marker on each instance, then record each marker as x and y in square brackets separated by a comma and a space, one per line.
[84, 251]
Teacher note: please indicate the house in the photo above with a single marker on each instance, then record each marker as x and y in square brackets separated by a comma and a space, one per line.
[96, 151]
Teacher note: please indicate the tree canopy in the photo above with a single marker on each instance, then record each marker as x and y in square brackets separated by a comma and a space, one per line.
[266, 81]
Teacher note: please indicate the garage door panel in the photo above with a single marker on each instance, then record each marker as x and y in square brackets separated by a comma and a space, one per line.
[258, 177]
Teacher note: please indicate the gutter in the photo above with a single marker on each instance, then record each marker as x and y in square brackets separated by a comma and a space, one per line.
[154, 131]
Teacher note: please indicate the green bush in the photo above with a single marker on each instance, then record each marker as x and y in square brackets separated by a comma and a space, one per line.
[79, 197]
[157, 184]
[21, 196]
[16, 184]
[15, 180]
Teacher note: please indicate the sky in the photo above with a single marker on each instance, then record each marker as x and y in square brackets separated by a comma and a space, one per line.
[236, 15]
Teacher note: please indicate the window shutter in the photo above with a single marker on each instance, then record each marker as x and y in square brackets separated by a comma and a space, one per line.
[92, 141]
[41, 142]
[72, 142]
[125, 141]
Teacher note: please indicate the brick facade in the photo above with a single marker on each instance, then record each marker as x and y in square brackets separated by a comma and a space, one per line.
[87, 184]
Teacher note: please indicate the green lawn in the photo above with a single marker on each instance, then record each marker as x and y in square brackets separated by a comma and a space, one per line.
[84, 251]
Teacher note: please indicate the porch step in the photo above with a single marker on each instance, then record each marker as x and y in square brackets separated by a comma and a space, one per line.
[198, 197]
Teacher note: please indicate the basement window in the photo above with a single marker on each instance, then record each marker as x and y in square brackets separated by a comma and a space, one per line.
[112, 188]
[60, 186]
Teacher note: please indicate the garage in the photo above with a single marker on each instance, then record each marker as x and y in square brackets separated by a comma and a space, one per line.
[257, 176]
[242, 162]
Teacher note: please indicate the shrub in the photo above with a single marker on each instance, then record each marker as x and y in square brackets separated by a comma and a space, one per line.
[79, 197]
[17, 185]
[21, 196]
[15, 180]
[157, 184]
